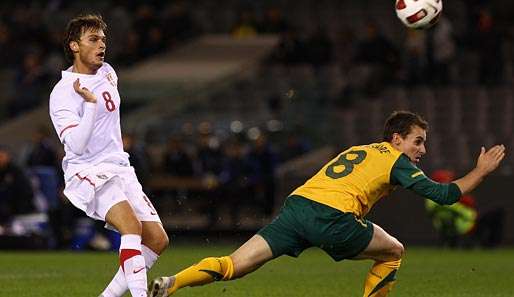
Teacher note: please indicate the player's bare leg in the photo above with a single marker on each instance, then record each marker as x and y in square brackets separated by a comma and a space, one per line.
[154, 242]
[154, 237]
[387, 252]
[123, 218]
[248, 258]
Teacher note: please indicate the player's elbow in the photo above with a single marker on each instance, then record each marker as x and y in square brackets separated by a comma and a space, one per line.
[77, 150]
[75, 147]
[156, 241]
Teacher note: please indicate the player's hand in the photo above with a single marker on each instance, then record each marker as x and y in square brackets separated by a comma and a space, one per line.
[84, 92]
[489, 160]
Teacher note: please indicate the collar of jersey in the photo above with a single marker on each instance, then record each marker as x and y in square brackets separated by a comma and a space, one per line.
[68, 73]
[389, 145]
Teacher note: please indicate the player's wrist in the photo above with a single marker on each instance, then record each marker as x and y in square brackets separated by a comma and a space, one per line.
[480, 172]
[90, 104]
[91, 98]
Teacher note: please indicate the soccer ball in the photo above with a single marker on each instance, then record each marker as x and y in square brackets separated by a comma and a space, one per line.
[419, 14]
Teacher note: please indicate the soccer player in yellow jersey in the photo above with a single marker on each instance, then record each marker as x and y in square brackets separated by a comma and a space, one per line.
[328, 210]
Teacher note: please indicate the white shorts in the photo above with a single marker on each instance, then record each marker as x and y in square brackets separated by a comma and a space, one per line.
[95, 190]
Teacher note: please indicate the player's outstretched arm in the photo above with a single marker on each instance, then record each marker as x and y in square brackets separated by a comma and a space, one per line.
[487, 162]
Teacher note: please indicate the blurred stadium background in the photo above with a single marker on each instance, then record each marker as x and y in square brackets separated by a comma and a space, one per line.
[228, 105]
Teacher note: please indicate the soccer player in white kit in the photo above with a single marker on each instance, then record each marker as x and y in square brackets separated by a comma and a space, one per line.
[84, 108]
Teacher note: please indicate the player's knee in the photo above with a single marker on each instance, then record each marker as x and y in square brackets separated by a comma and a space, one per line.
[397, 250]
[162, 243]
[157, 242]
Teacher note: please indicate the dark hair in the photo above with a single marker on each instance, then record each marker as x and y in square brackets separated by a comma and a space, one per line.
[77, 26]
[401, 122]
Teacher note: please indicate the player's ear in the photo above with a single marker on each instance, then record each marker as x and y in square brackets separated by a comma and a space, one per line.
[74, 46]
[397, 139]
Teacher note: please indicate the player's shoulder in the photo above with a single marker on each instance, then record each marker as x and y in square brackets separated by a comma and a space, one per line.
[61, 88]
[62, 94]
[107, 68]
[109, 72]
[382, 150]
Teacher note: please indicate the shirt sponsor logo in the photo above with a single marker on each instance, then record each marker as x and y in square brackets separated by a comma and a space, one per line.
[102, 176]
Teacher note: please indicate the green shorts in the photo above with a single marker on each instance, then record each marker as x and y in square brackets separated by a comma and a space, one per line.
[304, 223]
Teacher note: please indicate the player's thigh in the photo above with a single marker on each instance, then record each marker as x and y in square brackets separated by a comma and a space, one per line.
[143, 207]
[154, 236]
[251, 255]
[284, 234]
[382, 247]
[122, 217]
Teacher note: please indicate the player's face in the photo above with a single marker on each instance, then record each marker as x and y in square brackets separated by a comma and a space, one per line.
[91, 49]
[413, 145]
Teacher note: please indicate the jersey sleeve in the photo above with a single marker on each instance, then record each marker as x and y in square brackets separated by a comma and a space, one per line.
[407, 175]
[73, 128]
[64, 114]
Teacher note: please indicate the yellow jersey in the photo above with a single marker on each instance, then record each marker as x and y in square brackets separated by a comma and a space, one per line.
[354, 180]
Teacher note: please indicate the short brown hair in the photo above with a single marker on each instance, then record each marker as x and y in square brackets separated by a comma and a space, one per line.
[77, 26]
[401, 122]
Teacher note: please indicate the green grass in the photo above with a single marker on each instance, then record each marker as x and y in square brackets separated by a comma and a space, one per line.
[424, 272]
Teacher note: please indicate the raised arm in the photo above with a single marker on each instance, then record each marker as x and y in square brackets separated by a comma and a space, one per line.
[407, 175]
[487, 162]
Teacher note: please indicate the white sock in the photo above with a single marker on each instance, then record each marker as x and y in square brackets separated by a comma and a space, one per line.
[133, 264]
[118, 285]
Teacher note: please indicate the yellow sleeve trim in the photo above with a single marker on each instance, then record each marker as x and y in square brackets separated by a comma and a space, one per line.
[416, 174]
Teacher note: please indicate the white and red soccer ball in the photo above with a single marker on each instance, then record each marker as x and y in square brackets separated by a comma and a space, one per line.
[419, 14]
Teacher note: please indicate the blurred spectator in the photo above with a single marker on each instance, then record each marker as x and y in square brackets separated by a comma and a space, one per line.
[154, 42]
[138, 157]
[274, 22]
[416, 51]
[43, 164]
[460, 224]
[210, 158]
[179, 24]
[149, 30]
[264, 160]
[30, 82]
[245, 25]
[209, 155]
[290, 49]
[454, 223]
[8, 57]
[130, 53]
[489, 45]
[42, 151]
[377, 58]
[275, 105]
[441, 51]
[16, 195]
[319, 47]
[177, 161]
[235, 180]
[119, 18]
[295, 147]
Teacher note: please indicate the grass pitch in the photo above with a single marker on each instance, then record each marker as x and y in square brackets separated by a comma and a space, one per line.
[424, 272]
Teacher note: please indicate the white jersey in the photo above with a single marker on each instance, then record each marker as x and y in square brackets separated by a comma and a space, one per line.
[103, 135]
